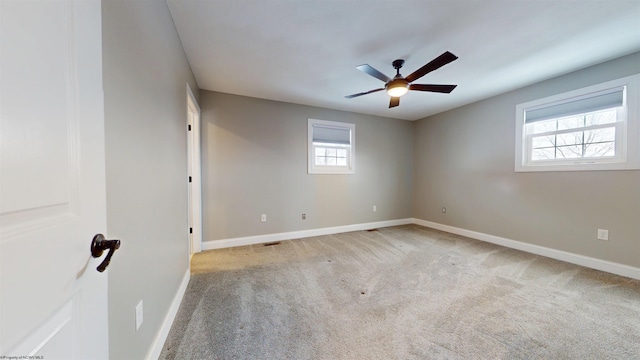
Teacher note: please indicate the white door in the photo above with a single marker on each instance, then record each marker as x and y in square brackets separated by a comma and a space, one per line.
[53, 302]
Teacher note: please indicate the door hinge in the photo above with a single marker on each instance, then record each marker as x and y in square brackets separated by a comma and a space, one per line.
[189, 178]
[190, 230]
[189, 127]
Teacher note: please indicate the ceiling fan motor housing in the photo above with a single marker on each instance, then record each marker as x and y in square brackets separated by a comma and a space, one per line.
[397, 87]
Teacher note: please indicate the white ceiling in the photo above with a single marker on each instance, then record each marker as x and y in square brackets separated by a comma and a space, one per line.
[306, 52]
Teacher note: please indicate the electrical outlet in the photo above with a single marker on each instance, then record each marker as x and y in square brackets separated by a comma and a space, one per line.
[603, 234]
[304, 216]
[139, 313]
[444, 210]
[263, 218]
[375, 208]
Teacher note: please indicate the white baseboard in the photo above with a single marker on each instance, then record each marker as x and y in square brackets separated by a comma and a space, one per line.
[163, 332]
[261, 239]
[586, 261]
[590, 262]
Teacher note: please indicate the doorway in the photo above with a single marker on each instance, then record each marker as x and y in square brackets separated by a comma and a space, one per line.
[194, 171]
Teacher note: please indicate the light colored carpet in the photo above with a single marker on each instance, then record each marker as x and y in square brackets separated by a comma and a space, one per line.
[404, 292]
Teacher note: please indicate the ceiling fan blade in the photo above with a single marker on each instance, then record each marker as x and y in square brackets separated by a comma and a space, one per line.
[395, 101]
[434, 64]
[363, 93]
[433, 88]
[373, 72]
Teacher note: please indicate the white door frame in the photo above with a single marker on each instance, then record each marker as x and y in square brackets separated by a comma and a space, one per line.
[195, 171]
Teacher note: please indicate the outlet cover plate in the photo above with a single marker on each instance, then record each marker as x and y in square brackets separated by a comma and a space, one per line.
[603, 234]
[139, 313]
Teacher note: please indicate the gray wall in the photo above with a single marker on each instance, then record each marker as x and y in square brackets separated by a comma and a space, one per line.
[145, 75]
[464, 160]
[255, 161]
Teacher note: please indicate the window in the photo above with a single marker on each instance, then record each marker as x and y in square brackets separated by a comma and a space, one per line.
[594, 128]
[331, 147]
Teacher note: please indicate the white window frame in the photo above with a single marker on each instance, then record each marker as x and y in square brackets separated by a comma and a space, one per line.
[351, 148]
[627, 131]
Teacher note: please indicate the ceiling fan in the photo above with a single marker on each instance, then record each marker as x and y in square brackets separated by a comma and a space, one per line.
[399, 85]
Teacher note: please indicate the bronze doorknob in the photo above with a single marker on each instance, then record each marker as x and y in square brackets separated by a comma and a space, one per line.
[98, 245]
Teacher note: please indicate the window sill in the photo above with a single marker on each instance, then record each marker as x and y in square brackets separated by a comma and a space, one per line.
[578, 166]
[332, 171]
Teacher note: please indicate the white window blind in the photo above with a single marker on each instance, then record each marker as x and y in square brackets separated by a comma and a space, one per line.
[608, 99]
[331, 135]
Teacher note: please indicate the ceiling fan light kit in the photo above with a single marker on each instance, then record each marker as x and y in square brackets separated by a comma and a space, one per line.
[400, 85]
[397, 87]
